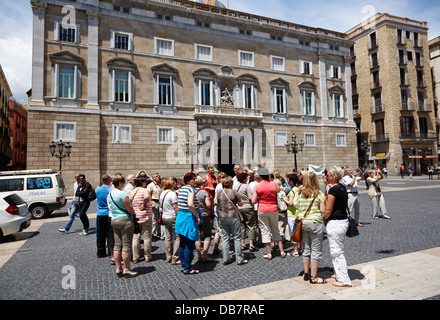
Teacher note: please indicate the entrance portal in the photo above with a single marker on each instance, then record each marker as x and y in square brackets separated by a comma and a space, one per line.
[228, 155]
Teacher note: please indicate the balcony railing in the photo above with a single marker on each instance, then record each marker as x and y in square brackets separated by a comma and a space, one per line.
[418, 136]
[228, 112]
[379, 137]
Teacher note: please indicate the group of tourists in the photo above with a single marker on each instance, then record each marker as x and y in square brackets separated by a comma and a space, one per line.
[191, 212]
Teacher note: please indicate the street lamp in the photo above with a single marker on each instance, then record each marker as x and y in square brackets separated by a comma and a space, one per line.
[63, 150]
[294, 147]
[365, 146]
[192, 148]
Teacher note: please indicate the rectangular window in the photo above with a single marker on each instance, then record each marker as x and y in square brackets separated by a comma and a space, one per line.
[308, 103]
[165, 97]
[337, 105]
[280, 106]
[305, 67]
[309, 140]
[204, 52]
[373, 40]
[377, 102]
[121, 41]
[420, 82]
[421, 100]
[65, 131]
[341, 140]
[374, 60]
[248, 96]
[121, 87]
[246, 59]
[121, 133]
[67, 34]
[205, 93]
[165, 135]
[278, 63]
[164, 47]
[280, 139]
[423, 124]
[404, 99]
[66, 82]
[402, 76]
[407, 126]
[11, 185]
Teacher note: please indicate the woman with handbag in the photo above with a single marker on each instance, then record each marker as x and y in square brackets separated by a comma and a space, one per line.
[140, 198]
[336, 220]
[229, 220]
[310, 204]
[265, 194]
[123, 227]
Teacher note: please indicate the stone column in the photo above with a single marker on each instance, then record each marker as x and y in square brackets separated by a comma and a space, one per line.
[93, 64]
[348, 89]
[38, 80]
[323, 84]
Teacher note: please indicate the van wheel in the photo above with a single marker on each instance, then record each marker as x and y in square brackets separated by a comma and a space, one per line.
[38, 211]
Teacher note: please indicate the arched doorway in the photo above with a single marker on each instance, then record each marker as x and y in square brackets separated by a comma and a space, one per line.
[228, 154]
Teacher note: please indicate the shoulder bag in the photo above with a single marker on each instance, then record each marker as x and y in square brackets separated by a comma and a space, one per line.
[137, 227]
[160, 221]
[296, 234]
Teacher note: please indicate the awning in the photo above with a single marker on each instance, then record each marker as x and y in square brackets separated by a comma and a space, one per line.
[381, 158]
[431, 157]
[415, 157]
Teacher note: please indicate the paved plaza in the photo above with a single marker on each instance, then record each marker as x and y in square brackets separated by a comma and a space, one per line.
[35, 264]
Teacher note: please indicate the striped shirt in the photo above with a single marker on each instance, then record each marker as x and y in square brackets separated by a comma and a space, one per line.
[182, 199]
[137, 197]
[302, 204]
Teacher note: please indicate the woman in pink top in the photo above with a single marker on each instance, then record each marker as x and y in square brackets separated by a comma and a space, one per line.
[140, 199]
[265, 194]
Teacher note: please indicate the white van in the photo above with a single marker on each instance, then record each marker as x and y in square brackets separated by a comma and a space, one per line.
[43, 190]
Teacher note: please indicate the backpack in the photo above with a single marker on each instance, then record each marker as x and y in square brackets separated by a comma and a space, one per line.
[92, 194]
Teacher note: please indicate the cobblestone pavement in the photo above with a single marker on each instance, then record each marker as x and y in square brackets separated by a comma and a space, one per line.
[38, 268]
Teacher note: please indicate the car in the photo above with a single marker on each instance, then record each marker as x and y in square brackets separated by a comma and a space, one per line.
[43, 190]
[14, 214]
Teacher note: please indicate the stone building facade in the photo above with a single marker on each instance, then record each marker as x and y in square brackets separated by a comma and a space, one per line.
[128, 83]
[434, 55]
[18, 128]
[392, 92]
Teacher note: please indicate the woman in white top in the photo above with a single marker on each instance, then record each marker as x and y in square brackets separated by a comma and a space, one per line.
[168, 206]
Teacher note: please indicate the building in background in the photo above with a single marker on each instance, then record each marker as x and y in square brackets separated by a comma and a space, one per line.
[18, 129]
[392, 92]
[5, 141]
[128, 82]
[434, 51]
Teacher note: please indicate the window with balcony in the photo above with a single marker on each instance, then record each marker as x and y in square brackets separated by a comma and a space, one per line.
[280, 100]
[379, 127]
[407, 128]
[402, 57]
[418, 59]
[307, 98]
[420, 82]
[376, 80]
[421, 100]
[423, 125]
[374, 60]
[400, 36]
[66, 82]
[122, 82]
[402, 74]
[337, 100]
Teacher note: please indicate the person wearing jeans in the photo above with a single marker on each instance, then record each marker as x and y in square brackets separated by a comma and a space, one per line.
[74, 207]
[84, 203]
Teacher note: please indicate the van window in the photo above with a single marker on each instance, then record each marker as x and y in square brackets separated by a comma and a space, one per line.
[35, 183]
[11, 185]
[61, 183]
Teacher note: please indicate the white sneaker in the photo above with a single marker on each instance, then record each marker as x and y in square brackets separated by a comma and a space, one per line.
[83, 233]
[63, 231]
[386, 216]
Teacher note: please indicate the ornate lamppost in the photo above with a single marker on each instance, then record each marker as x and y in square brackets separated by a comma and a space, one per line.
[192, 148]
[62, 152]
[294, 147]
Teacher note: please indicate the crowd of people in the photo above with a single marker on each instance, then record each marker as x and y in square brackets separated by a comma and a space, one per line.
[191, 212]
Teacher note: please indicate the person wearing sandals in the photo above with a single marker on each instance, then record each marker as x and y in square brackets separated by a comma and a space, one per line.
[310, 196]
[265, 194]
[336, 221]
[187, 223]
[229, 219]
[123, 226]
[248, 214]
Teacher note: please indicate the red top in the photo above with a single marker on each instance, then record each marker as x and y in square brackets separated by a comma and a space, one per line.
[267, 196]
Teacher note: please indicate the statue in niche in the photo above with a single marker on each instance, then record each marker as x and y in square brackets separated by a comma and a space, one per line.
[227, 100]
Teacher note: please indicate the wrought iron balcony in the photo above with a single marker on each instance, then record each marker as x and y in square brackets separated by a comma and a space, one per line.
[227, 112]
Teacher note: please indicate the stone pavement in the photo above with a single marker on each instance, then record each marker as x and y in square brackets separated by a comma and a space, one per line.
[388, 261]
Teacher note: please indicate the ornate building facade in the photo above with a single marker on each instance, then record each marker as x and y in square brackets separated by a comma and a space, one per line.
[129, 83]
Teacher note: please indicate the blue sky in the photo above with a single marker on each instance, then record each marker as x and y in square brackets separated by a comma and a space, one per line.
[337, 15]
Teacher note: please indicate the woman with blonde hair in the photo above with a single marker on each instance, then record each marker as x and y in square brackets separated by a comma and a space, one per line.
[169, 208]
[310, 204]
[123, 226]
[336, 220]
